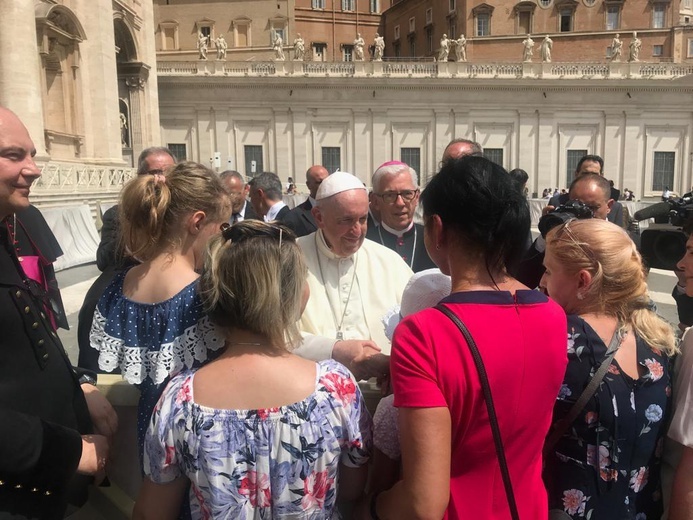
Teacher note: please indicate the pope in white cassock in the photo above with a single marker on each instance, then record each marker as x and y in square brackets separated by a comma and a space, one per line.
[353, 281]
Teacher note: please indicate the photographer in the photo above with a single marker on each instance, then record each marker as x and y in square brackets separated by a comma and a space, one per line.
[594, 192]
[593, 164]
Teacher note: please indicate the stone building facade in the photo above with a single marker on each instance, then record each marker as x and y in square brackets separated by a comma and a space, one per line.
[581, 30]
[328, 27]
[77, 72]
[284, 117]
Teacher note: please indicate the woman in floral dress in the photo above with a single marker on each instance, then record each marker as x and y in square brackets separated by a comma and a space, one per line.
[258, 432]
[607, 464]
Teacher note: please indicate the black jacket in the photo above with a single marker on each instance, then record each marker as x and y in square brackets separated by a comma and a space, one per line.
[300, 219]
[43, 409]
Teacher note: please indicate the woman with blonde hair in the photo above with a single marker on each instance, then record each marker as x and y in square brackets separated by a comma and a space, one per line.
[259, 432]
[149, 321]
[603, 456]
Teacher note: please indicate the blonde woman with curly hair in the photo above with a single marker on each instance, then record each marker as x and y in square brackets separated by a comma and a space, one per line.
[259, 432]
[606, 464]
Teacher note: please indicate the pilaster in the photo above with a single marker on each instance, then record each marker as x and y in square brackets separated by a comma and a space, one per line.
[21, 87]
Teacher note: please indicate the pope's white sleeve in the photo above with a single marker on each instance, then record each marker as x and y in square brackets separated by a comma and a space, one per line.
[314, 347]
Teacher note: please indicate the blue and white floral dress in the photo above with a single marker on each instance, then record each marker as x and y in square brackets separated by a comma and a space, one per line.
[270, 463]
[606, 466]
[149, 342]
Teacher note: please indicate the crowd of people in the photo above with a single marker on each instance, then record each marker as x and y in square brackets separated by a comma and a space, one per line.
[519, 378]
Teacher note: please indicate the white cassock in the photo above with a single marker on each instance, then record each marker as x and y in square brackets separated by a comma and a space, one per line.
[349, 294]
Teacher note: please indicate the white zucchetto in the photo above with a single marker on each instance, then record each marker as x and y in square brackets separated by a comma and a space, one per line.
[337, 183]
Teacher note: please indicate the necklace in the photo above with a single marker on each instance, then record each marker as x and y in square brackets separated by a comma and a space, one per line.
[337, 326]
[256, 344]
[413, 247]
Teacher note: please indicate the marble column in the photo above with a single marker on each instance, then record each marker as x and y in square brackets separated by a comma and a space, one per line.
[20, 77]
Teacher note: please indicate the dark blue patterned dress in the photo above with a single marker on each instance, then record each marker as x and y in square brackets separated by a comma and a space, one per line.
[607, 465]
[149, 342]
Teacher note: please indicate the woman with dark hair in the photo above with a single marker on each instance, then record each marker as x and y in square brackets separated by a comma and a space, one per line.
[476, 221]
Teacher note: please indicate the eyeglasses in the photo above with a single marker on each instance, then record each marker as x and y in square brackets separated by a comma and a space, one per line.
[155, 172]
[390, 197]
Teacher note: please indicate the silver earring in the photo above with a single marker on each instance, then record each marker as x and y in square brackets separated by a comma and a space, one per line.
[580, 296]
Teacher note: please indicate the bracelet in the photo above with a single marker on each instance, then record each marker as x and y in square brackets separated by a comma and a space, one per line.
[374, 504]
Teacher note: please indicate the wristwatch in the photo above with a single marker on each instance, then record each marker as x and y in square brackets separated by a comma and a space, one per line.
[87, 379]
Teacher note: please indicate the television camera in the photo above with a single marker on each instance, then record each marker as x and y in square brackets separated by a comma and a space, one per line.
[663, 243]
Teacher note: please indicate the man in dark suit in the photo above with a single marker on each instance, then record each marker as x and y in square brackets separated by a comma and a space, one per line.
[300, 220]
[50, 411]
[238, 190]
[395, 196]
[266, 197]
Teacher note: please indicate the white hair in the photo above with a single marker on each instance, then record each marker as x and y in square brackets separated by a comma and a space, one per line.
[393, 169]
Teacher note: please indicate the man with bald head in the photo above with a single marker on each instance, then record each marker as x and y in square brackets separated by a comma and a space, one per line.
[300, 219]
[460, 147]
[353, 281]
[48, 453]
[591, 189]
[395, 197]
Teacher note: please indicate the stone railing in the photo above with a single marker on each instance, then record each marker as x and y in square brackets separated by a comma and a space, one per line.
[67, 183]
[420, 69]
[81, 177]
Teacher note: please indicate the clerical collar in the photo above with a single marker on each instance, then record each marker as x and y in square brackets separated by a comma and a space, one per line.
[325, 250]
[398, 234]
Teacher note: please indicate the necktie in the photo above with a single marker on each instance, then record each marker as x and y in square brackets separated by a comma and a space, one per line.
[235, 218]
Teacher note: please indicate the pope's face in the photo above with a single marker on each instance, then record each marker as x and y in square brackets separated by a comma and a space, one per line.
[17, 167]
[342, 219]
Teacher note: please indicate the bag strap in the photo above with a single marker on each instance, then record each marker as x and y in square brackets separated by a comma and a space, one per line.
[587, 394]
[493, 419]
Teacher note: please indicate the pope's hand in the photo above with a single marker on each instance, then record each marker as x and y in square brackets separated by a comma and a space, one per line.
[353, 354]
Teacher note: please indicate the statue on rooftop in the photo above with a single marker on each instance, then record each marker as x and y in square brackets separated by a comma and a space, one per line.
[379, 43]
[616, 48]
[358, 47]
[299, 48]
[546, 46]
[461, 48]
[528, 50]
[278, 48]
[444, 48]
[221, 46]
[634, 47]
[202, 45]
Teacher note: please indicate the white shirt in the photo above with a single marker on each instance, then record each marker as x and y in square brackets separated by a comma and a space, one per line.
[273, 211]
